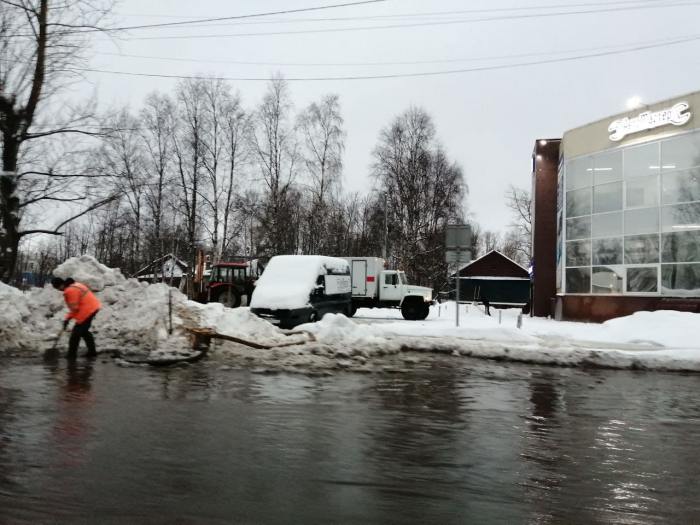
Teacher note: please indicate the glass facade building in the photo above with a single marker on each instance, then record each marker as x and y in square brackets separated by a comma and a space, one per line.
[628, 218]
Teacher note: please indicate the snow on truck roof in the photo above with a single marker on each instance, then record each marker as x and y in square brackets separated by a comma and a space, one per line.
[289, 279]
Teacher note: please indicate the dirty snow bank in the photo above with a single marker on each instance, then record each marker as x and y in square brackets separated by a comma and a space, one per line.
[236, 322]
[134, 318]
[349, 338]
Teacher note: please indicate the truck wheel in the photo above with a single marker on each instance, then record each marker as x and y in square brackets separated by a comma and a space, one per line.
[313, 317]
[229, 298]
[352, 310]
[423, 312]
[410, 310]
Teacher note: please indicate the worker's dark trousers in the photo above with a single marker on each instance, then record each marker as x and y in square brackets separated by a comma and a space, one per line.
[82, 331]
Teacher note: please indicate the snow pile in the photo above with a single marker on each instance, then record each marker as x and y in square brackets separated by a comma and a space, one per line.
[135, 316]
[667, 327]
[288, 280]
[337, 330]
[14, 310]
[85, 269]
[236, 322]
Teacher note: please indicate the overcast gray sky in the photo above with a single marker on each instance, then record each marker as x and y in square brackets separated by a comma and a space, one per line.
[488, 120]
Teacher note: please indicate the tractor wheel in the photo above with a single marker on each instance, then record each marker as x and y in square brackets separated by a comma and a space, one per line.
[229, 298]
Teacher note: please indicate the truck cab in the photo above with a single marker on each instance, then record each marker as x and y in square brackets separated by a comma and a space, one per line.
[375, 287]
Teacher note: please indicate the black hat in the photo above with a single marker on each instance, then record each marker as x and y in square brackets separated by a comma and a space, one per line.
[57, 282]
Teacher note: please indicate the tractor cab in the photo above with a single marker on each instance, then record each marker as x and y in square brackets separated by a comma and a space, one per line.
[231, 284]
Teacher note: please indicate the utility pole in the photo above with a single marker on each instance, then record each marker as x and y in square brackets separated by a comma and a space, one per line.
[457, 243]
[386, 224]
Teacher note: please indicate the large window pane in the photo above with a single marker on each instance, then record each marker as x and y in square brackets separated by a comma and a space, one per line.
[607, 280]
[681, 247]
[642, 192]
[607, 167]
[578, 253]
[680, 278]
[681, 217]
[681, 186]
[578, 202]
[642, 279]
[680, 152]
[578, 280]
[607, 251]
[578, 228]
[606, 225]
[607, 197]
[642, 161]
[645, 220]
[579, 173]
[642, 249]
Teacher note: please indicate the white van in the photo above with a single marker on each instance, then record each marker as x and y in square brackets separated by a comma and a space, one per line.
[298, 289]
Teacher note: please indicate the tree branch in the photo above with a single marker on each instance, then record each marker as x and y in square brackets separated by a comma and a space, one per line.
[56, 230]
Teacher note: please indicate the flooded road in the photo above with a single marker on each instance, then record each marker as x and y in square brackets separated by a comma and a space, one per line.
[455, 441]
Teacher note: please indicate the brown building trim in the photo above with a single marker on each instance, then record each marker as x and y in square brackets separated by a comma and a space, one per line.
[545, 170]
[600, 308]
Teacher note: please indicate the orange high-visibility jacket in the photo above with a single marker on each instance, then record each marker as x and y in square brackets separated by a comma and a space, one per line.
[81, 302]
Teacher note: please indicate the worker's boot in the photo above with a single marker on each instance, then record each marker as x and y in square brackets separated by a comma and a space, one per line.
[73, 343]
[90, 343]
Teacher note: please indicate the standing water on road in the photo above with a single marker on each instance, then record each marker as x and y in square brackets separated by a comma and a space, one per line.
[452, 441]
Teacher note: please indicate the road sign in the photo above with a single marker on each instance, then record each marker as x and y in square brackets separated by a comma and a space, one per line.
[458, 256]
[458, 237]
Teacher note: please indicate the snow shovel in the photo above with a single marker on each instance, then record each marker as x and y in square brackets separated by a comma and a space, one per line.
[53, 352]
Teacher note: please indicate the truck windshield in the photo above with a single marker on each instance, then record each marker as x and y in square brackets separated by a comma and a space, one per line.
[402, 278]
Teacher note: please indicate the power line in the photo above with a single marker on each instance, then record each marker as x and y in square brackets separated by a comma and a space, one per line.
[427, 13]
[387, 63]
[639, 3]
[419, 24]
[403, 75]
[236, 17]
[622, 6]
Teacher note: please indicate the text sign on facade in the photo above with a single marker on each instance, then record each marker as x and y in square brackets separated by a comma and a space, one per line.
[677, 115]
[458, 237]
[337, 284]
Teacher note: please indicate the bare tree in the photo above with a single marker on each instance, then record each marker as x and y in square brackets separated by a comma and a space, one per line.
[157, 128]
[273, 142]
[489, 241]
[236, 124]
[122, 159]
[321, 126]
[519, 201]
[424, 192]
[41, 43]
[189, 153]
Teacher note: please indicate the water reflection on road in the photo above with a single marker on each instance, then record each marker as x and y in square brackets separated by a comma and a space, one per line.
[457, 441]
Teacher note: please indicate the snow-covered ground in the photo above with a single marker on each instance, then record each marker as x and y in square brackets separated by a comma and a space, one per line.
[136, 318]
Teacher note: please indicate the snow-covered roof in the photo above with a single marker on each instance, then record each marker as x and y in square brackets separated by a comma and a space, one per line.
[288, 280]
[169, 256]
[489, 253]
[507, 267]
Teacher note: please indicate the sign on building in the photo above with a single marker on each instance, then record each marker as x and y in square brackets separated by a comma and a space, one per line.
[677, 115]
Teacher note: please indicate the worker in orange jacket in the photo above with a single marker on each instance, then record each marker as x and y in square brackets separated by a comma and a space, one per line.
[82, 306]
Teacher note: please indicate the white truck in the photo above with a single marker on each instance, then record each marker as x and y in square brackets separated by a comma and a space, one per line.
[375, 287]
